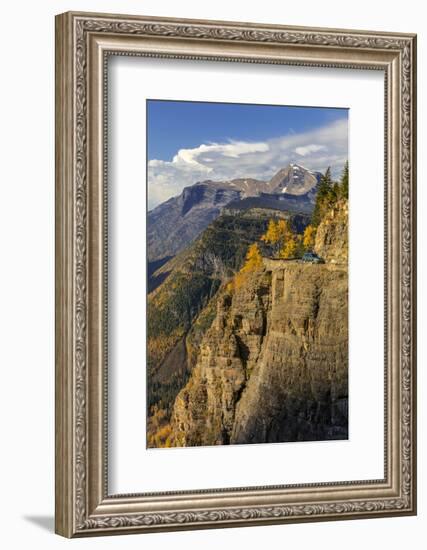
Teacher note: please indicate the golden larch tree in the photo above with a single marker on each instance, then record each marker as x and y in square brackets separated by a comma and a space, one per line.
[309, 236]
[253, 262]
[289, 248]
[253, 259]
[284, 230]
[272, 235]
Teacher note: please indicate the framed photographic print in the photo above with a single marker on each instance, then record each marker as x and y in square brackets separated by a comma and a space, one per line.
[235, 274]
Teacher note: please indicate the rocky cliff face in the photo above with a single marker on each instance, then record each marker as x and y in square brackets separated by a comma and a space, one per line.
[332, 235]
[204, 411]
[177, 222]
[298, 390]
[273, 366]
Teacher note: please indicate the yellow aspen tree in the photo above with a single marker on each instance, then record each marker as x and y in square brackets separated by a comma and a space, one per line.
[309, 236]
[289, 249]
[284, 230]
[271, 236]
[252, 263]
[253, 259]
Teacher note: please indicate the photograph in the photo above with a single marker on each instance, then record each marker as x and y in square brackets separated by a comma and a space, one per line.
[247, 273]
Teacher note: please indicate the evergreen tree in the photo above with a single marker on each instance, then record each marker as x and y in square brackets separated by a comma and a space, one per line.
[324, 196]
[344, 182]
[327, 177]
[300, 249]
[335, 192]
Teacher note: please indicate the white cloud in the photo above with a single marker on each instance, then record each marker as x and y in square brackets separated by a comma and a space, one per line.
[233, 150]
[323, 147]
[307, 149]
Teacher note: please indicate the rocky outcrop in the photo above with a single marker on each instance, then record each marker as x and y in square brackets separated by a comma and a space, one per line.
[174, 224]
[332, 235]
[273, 365]
[204, 411]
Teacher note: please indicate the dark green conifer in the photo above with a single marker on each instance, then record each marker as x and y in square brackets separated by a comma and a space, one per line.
[344, 182]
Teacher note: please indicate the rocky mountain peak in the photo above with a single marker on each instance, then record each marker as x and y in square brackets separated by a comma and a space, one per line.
[294, 180]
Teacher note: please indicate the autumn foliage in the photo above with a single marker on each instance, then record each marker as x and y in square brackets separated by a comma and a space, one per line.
[253, 259]
[277, 233]
[281, 240]
[271, 236]
[159, 432]
[289, 248]
[309, 237]
[253, 262]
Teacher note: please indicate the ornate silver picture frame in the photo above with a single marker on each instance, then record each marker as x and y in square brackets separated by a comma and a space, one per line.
[84, 42]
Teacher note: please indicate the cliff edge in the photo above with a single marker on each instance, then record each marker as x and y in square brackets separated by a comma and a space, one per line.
[273, 366]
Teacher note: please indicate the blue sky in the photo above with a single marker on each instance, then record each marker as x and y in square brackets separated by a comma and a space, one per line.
[193, 141]
[174, 125]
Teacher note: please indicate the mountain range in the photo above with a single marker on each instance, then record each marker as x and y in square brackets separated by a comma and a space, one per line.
[172, 225]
